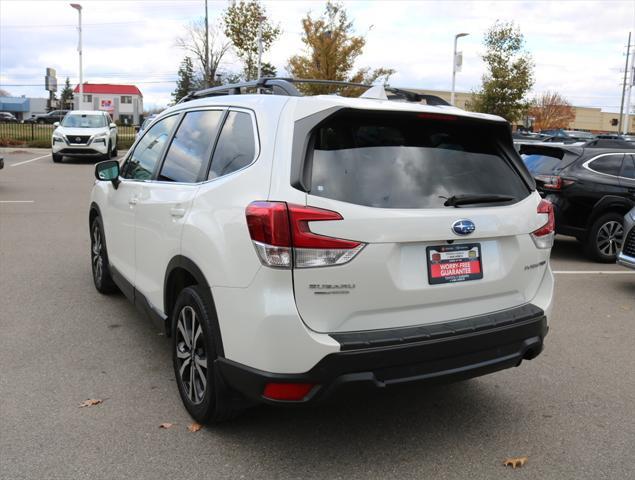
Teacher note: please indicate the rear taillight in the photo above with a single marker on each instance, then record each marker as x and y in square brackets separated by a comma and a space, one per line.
[283, 239]
[543, 237]
[553, 182]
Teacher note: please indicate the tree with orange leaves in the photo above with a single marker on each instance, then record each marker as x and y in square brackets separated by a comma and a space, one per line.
[551, 111]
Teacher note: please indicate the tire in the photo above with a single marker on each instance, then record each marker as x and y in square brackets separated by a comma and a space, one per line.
[99, 259]
[210, 400]
[40, 122]
[56, 157]
[114, 150]
[106, 156]
[605, 238]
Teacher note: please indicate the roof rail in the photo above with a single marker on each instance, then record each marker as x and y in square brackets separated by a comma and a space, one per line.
[285, 86]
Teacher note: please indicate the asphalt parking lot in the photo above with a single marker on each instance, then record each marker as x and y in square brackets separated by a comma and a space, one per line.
[571, 411]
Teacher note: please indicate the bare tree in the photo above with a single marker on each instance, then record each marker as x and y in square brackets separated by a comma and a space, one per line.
[193, 42]
[551, 110]
[4, 93]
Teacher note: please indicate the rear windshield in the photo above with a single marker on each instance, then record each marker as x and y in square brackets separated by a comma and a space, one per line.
[84, 121]
[408, 161]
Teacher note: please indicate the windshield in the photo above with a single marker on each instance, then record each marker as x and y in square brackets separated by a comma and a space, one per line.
[84, 121]
[404, 161]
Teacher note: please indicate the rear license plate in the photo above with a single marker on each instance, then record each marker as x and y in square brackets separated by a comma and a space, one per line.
[454, 263]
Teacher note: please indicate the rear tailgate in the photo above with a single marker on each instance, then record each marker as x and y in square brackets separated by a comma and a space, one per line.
[388, 178]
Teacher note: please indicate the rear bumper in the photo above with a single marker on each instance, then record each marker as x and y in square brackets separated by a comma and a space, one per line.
[438, 353]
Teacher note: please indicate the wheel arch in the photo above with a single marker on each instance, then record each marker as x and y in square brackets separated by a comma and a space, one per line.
[182, 272]
[609, 204]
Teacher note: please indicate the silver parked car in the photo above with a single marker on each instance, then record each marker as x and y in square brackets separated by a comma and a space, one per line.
[626, 256]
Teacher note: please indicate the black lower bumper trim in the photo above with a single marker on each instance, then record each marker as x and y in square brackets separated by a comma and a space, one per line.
[462, 355]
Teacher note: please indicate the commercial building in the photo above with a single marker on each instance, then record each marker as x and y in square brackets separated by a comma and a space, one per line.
[23, 107]
[123, 102]
[590, 119]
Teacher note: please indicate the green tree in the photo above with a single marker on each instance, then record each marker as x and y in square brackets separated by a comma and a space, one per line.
[332, 49]
[509, 74]
[66, 95]
[186, 82]
[242, 20]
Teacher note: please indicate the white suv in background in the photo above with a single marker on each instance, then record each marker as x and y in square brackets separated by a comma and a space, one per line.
[291, 244]
[84, 133]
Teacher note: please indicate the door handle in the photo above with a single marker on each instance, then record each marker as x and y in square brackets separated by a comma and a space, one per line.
[177, 212]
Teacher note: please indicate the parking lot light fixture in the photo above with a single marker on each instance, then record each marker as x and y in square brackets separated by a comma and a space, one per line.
[454, 65]
[78, 7]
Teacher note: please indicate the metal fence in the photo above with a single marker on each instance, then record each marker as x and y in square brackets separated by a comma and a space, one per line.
[32, 132]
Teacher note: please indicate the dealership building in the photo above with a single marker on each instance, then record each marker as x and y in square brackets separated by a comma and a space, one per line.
[123, 102]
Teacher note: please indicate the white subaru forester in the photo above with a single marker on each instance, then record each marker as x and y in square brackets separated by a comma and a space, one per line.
[294, 244]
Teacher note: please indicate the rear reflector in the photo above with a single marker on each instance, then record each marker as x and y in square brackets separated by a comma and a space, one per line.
[543, 237]
[290, 392]
[282, 237]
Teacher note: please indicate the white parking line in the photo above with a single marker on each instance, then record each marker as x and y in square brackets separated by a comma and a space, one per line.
[29, 161]
[17, 201]
[594, 272]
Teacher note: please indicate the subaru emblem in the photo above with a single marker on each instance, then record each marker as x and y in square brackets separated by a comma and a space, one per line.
[463, 227]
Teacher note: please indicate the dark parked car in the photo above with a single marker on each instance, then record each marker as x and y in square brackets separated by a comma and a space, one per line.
[591, 186]
[51, 117]
[6, 117]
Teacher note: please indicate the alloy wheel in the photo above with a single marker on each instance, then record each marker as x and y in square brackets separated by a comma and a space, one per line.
[98, 260]
[610, 237]
[191, 355]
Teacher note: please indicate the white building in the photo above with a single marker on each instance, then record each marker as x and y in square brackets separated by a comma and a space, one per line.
[123, 102]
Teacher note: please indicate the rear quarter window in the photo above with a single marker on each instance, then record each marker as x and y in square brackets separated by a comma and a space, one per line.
[607, 164]
[406, 161]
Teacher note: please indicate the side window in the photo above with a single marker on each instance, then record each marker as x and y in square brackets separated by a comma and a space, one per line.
[191, 147]
[236, 145]
[608, 164]
[147, 153]
[628, 168]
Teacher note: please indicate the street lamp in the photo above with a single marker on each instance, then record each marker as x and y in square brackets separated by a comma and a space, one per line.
[78, 7]
[454, 65]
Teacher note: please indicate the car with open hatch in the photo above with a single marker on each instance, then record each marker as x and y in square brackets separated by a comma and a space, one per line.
[84, 133]
[291, 245]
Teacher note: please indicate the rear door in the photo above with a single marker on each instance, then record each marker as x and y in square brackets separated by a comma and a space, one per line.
[164, 203]
[394, 179]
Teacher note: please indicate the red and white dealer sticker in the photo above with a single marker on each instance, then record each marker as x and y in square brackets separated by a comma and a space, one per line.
[454, 263]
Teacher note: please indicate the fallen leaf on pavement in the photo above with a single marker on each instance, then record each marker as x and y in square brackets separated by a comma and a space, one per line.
[194, 427]
[90, 402]
[515, 462]
[166, 425]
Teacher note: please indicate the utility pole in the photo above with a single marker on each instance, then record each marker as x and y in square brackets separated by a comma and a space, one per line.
[207, 72]
[628, 101]
[628, 49]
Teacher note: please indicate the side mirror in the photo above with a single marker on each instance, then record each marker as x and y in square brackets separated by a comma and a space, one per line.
[113, 125]
[137, 128]
[56, 124]
[108, 171]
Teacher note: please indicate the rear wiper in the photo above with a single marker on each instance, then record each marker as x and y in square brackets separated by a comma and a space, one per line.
[469, 199]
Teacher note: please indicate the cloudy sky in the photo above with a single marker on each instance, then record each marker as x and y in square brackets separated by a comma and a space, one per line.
[578, 46]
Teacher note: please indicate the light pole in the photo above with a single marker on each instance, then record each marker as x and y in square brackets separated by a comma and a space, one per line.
[78, 7]
[454, 61]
